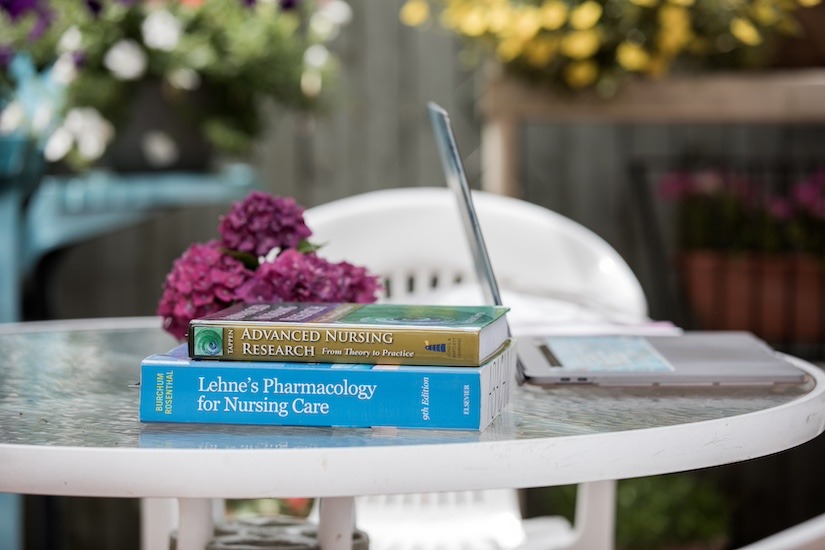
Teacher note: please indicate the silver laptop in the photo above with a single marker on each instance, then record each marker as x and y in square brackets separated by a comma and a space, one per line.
[689, 359]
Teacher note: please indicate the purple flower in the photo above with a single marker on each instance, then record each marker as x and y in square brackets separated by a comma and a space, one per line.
[675, 185]
[809, 195]
[780, 208]
[289, 4]
[203, 280]
[6, 55]
[209, 277]
[297, 277]
[95, 6]
[262, 222]
[79, 58]
[357, 285]
[18, 8]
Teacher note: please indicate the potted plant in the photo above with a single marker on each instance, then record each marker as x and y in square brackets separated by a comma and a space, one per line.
[751, 255]
[596, 44]
[151, 77]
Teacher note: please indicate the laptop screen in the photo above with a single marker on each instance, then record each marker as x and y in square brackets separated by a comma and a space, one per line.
[457, 181]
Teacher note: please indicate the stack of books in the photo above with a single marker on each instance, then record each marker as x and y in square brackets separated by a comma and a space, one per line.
[348, 365]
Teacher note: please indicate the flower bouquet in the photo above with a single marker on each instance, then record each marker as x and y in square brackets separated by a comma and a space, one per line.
[215, 64]
[594, 44]
[262, 255]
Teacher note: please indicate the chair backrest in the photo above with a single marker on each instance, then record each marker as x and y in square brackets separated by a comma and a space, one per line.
[413, 238]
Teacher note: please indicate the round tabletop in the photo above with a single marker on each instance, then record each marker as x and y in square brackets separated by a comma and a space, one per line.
[69, 426]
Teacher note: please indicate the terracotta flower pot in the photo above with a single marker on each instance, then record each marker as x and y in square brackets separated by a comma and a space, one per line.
[778, 297]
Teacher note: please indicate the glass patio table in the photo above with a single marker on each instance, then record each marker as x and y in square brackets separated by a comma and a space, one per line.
[69, 426]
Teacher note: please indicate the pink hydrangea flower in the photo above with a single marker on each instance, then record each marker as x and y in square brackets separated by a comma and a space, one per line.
[262, 222]
[203, 280]
[809, 195]
[297, 277]
[212, 276]
[675, 185]
[780, 208]
[356, 284]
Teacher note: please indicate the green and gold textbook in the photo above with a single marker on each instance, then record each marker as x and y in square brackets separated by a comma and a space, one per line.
[389, 334]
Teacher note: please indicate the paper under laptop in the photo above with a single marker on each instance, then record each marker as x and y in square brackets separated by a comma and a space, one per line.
[688, 359]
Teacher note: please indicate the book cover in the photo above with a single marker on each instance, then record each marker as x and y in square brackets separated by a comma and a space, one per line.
[351, 333]
[175, 388]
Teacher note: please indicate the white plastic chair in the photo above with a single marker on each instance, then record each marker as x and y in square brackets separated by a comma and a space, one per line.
[413, 239]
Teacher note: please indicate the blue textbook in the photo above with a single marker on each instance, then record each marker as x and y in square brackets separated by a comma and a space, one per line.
[175, 388]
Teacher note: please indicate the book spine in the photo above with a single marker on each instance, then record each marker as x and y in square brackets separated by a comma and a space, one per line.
[319, 344]
[211, 392]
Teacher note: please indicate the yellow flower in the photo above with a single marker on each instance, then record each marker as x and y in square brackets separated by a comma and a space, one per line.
[452, 15]
[474, 22]
[509, 48]
[675, 32]
[580, 44]
[809, 3]
[645, 3]
[500, 19]
[527, 23]
[581, 74]
[586, 15]
[674, 17]
[745, 31]
[765, 13]
[553, 15]
[632, 56]
[540, 51]
[415, 12]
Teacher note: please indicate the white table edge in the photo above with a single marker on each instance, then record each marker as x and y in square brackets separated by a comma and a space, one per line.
[119, 472]
[139, 472]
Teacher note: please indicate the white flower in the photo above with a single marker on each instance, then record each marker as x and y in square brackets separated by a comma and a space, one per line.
[184, 78]
[322, 27]
[91, 146]
[311, 83]
[126, 59]
[70, 41]
[58, 144]
[330, 17]
[337, 11]
[87, 128]
[159, 149]
[316, 56]
[64, 69]
[161, 30]
[11, 117]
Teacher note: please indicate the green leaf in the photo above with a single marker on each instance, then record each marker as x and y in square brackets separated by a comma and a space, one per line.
[306, 247]
[248, 260]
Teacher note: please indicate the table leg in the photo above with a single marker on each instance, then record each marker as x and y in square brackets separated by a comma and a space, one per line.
[158, 518]
[195, 526]
[336, 523]
[595, 521]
